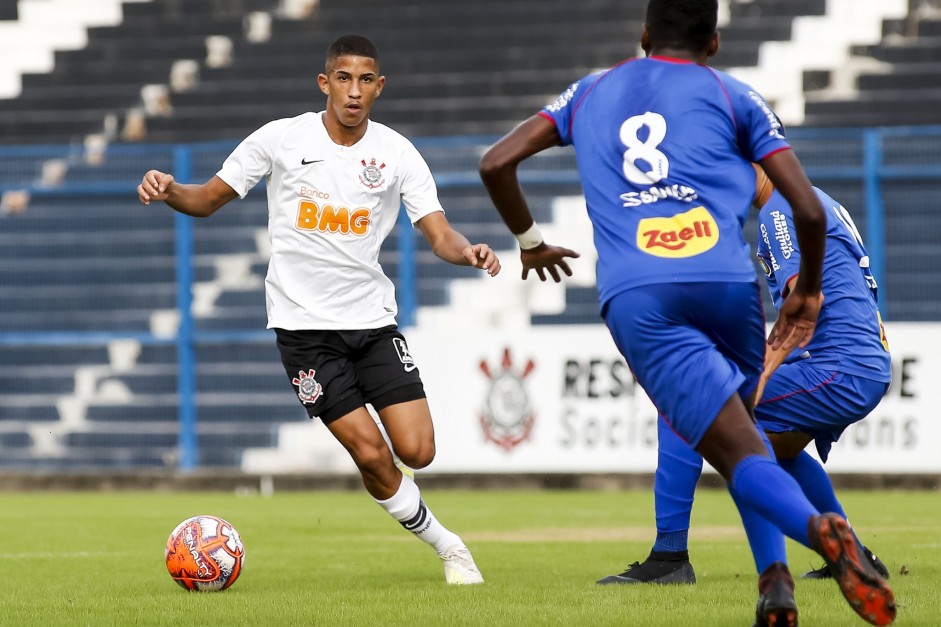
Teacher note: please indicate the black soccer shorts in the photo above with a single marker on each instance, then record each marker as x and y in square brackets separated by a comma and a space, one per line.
[335, 372]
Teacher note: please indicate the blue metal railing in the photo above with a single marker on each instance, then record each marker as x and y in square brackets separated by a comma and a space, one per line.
[185, 335]
[872, 170]
[875, 209]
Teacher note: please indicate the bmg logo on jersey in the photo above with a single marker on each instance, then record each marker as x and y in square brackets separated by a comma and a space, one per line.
[330, 219]
[683, 235]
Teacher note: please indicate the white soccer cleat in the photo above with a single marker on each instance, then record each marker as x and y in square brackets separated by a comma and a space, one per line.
[459, 567]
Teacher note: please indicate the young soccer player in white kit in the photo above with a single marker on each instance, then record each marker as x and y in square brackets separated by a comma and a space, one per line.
[335, 182]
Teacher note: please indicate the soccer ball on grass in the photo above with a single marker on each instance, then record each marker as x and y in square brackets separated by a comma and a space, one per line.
[205, 553]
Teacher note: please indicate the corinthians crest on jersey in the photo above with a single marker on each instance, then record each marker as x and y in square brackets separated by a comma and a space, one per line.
[371, 176]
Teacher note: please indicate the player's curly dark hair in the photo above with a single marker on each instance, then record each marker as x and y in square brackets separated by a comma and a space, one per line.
[352, 45]
[682, 24]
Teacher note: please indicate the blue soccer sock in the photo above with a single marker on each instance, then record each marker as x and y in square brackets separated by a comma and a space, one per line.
[761, 484]
[814, 481]
[672, 541]
[816, 484]
[678, 470]
[764, 538]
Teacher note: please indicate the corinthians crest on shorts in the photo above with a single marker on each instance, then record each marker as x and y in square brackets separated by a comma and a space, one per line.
[308, 390]
[371, 175]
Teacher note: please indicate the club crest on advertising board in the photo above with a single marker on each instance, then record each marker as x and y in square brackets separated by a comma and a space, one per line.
[507, 417]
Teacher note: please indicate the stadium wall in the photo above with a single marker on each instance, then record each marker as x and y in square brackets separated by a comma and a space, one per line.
[561, 399]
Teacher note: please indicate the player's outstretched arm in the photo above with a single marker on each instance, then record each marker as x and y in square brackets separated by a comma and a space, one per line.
[448, 244]
[798, 313]
[195, 200]
[498, 170]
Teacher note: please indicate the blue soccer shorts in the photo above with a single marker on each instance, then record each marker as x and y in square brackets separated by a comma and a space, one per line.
[691, 347]
[818, 401]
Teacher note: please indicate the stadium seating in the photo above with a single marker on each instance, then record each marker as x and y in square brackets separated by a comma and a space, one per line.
[483, 85]
[99, 262]
[504, 60]
[903, 86]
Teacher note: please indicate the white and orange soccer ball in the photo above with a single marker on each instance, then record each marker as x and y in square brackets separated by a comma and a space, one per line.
[205, 553]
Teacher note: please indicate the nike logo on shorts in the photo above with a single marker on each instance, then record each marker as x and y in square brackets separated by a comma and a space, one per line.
[306, 162]
[404, 356]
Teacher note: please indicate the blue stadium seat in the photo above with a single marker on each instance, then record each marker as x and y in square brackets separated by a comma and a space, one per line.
[15, 440]
[11, 410]
[15, 357]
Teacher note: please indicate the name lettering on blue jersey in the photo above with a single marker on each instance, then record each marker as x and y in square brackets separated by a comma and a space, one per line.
[654, 194]
[563, 99]
[774, 262]
[772, 118]
[782, 234]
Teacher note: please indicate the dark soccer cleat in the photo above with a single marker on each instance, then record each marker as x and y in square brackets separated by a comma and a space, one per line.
[861, 584]
[776, 604]
[662, 567]
[824, 571]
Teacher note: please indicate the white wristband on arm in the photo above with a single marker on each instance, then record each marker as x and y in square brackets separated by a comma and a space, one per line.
[530, 238]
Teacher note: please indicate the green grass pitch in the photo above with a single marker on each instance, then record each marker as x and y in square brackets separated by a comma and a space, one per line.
[335, 558]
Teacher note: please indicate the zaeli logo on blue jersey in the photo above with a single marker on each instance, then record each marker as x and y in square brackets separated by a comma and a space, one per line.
[684, 235]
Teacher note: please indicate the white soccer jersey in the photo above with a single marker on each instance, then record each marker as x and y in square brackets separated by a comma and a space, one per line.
[329, 209]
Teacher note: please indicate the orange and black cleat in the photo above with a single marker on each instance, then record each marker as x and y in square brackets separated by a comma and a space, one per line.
[861, 584]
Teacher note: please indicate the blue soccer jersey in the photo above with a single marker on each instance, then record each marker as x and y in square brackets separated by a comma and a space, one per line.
[849, 336]
[664, 150]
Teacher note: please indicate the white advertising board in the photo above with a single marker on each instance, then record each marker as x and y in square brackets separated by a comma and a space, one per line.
[560, 399]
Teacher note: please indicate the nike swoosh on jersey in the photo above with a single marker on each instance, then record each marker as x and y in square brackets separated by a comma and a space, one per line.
[306, 162]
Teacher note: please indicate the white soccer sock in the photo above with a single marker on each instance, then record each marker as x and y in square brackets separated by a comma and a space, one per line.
[407, 507]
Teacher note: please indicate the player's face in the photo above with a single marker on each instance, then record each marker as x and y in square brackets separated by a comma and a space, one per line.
[352, 85]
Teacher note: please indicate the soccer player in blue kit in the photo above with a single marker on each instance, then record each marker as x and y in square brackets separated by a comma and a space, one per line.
[810, 395]
[664, 148]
